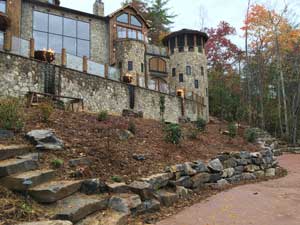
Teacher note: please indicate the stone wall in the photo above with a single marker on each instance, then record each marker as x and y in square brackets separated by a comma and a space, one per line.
[19, 75]
[99, 34]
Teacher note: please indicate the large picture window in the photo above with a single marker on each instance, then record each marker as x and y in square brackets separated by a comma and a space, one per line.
[3, 6]
[56, 32]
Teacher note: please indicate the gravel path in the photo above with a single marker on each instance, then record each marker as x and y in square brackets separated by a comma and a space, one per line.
[276, 202]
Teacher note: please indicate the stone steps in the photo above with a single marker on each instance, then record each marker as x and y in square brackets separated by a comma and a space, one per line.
[13, 166]
[53, 191]
[79, 206]
[7, 152]
[36, 177]
[49, 222]
[107, 217]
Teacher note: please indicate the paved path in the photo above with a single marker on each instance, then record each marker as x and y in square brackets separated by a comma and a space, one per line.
[275, 202]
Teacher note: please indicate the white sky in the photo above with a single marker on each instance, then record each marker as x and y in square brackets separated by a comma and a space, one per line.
[232, 11]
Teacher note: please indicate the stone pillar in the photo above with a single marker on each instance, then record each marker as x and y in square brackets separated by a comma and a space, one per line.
[31, 51]
[84, 64]
[7, 41]
[63, 57]
[98, 8]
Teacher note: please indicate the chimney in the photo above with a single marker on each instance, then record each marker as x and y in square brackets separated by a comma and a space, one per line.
[99, 8]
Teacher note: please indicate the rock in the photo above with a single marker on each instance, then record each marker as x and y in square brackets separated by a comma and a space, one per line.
[271, 172]
[222, 183]
[125, 135]
[200, 179]
[6, 134]
[259, 174]
[229, 172]
[139, 157]
[131, 113]
[277, 152]
[251, 168]
[267, 153]
[45, 140]
[13, 166]
[234, 179]
[199, 166]
[224, 156]
[215, 165]
[49, 222]
[54, 191]
[77, 207]
[166, 198]
[248, 176]
[255, 155]
[279, 171]
[93, 186]
[143, 189]
[238, 170]
[242, 162]
[230, 163]
[158, 181]
[125, 202]
[117, 187]
[185, 181]
[188, 170]
[175, 168]
[11, 151]
[182, 192]
[108, 217]
[80, 162]
[245, 155]
[214, 177]
[148, 206]
[257, 161]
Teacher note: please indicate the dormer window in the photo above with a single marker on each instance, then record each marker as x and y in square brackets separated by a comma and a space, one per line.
[135, 22]
[123, 18]
[3, 6]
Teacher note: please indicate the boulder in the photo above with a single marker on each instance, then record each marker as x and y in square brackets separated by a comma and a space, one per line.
[158, 181]
[182, 192]
[230, 163]
[125, 202]
[242, 162]
[175, 168]
[229, 172]
[107, 217]
[45, 140]
[271, 172]
[200, 166]
[251, 168]
[84, 161]
[166, 198]
[248, 176]
[235, 179]
[200, 179]
[6, 134]
[93, 186]
[245, 155]
[185, 181]
[220, 185]
[49, 222]
[188, 170]
[141, 188]
[239, 170]
[148, 206]
[214, 177]
[215, 165]
[259, 173]
[117, 187]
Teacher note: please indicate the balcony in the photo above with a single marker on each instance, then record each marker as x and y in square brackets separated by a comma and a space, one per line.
[4, 21]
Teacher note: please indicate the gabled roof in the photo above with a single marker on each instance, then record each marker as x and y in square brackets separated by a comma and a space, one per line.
[129, 6]
[185, 31]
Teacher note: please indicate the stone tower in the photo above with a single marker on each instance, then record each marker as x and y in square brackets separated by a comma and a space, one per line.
[98, 8]
[188, 65]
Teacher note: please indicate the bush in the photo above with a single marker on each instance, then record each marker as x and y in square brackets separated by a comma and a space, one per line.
[132, 127]
[116, 179]
[201, 124]
[173, 133]
[57, 163]
[102, 116]
[232, 130]
[193, 133]
[46, 109]
[251, 135]
[11, 114]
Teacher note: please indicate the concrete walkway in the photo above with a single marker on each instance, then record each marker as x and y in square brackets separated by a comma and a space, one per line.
[275, 202]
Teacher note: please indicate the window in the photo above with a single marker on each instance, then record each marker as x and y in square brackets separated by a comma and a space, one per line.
[172, 45]
[3, 6]
[181, 77]
[140, 36]
[135, 22]
[132, 34]
[121, 32]
[1, 40]
[130, 65]
[56, 32]
[199, 44]
[142, 67]
[180, 40]
[157, 64]
[202, 70]
[196, 84]
[188, 70]
[123, 18]
[173, 72]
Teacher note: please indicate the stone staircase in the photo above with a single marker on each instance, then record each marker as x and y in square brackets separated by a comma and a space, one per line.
[19, 171]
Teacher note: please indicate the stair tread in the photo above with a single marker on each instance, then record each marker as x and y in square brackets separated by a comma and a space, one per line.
[30, 174]
[15, 165]
[53, 185]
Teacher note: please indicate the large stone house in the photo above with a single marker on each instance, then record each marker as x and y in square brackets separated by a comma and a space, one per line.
[119, 40]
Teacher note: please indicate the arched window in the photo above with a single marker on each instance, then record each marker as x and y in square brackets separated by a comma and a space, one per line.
[157, 65]
[135, 22]
[129, 26]
[123, 18]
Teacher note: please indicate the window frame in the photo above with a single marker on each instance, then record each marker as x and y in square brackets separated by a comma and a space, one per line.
[142, 67]
[188, 70]
[48, 33]
[174, 72]
[196, 84]
[181, 78]
[130, 66]
[5, 6]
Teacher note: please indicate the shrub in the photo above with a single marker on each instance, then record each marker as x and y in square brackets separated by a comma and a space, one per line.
[46, 109]
[193, 133]
[201, 124]
[57, 163]
[11, 114]
[173, 133]
[250, 135]
[232, 130]
[132, 127]
[116, 179]
[102, 116]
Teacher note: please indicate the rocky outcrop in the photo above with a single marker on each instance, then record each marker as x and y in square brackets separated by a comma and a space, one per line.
[45, 140]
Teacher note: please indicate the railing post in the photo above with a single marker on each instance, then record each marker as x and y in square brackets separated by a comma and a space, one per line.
[84, 64]
[31, 51]
[106, 70]
[7, 41]
[63, 57]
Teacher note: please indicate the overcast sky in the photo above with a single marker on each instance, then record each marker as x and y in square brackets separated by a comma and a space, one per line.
[188, 11]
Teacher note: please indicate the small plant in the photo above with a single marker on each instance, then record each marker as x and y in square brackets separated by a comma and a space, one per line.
[102, 116]
[132, 127]
[11, 114]
[116, 179]
[232, 130]
[46, 109]
[173, 133]
[201, 124]
[26, 208]
[193, 133]
[250, 135]
[57, 163]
